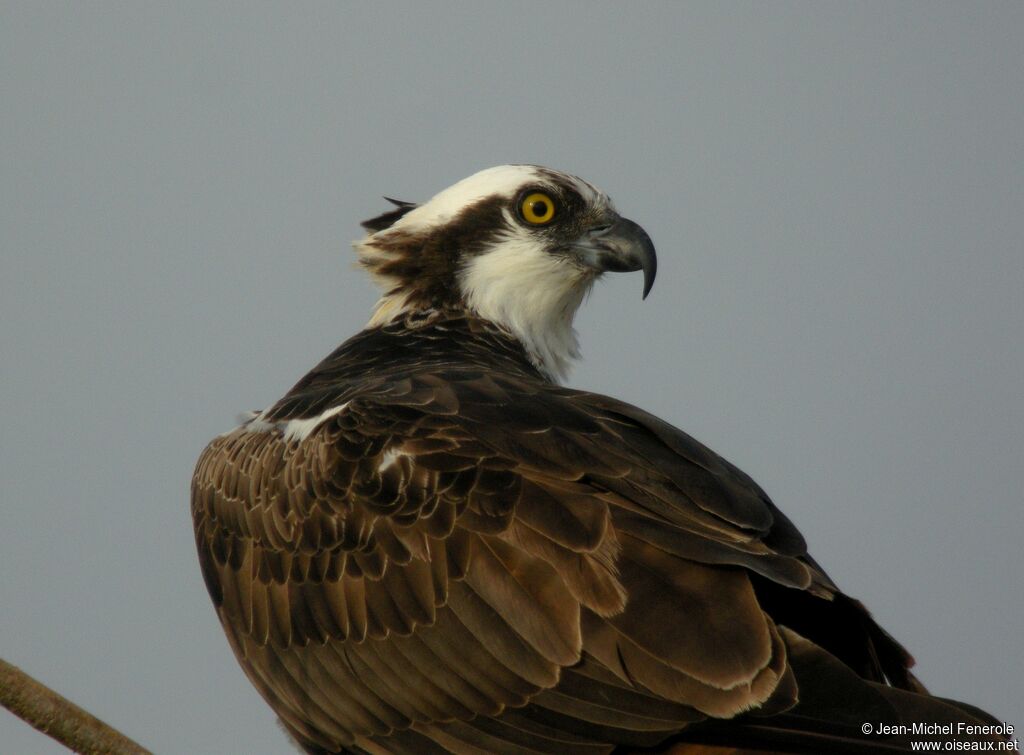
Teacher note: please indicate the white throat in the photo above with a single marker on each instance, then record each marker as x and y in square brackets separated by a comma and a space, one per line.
[532, 294]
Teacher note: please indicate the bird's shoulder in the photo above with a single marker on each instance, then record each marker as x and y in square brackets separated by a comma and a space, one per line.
[453, 399]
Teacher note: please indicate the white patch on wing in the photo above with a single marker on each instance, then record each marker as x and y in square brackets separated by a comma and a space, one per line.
[293, 429]
[300, 429]
[252, 421]
[389, 457]
[259, 426]
[532, 293]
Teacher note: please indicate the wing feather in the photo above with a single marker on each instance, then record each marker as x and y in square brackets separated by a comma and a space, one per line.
[496, 562]
[530, 596]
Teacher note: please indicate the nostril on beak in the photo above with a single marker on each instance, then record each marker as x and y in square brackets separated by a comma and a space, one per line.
[600, 230]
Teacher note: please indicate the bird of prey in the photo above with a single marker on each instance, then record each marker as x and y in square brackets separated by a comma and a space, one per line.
[429, 544]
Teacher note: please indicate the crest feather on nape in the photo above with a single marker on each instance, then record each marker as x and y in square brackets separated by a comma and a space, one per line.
[389, 218]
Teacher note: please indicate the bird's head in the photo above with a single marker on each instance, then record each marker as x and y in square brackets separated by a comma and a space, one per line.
[519, 245]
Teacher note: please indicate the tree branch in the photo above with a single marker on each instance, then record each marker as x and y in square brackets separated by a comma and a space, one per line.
[58, 717]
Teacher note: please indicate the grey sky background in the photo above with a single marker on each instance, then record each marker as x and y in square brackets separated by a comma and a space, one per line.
[835, 192]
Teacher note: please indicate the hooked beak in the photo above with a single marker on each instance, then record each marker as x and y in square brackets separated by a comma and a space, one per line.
[621, 247]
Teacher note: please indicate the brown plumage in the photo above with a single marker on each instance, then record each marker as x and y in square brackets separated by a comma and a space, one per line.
[453, 553]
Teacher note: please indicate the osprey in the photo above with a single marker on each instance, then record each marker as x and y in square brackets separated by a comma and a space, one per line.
[430, 545]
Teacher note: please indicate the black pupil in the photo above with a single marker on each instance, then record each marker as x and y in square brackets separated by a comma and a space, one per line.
[540, 208]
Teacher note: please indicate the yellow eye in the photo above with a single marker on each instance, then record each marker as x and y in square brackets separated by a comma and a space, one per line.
[537, 208]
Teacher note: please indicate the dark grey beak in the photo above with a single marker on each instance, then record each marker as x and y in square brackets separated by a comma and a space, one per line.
[621, 247]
